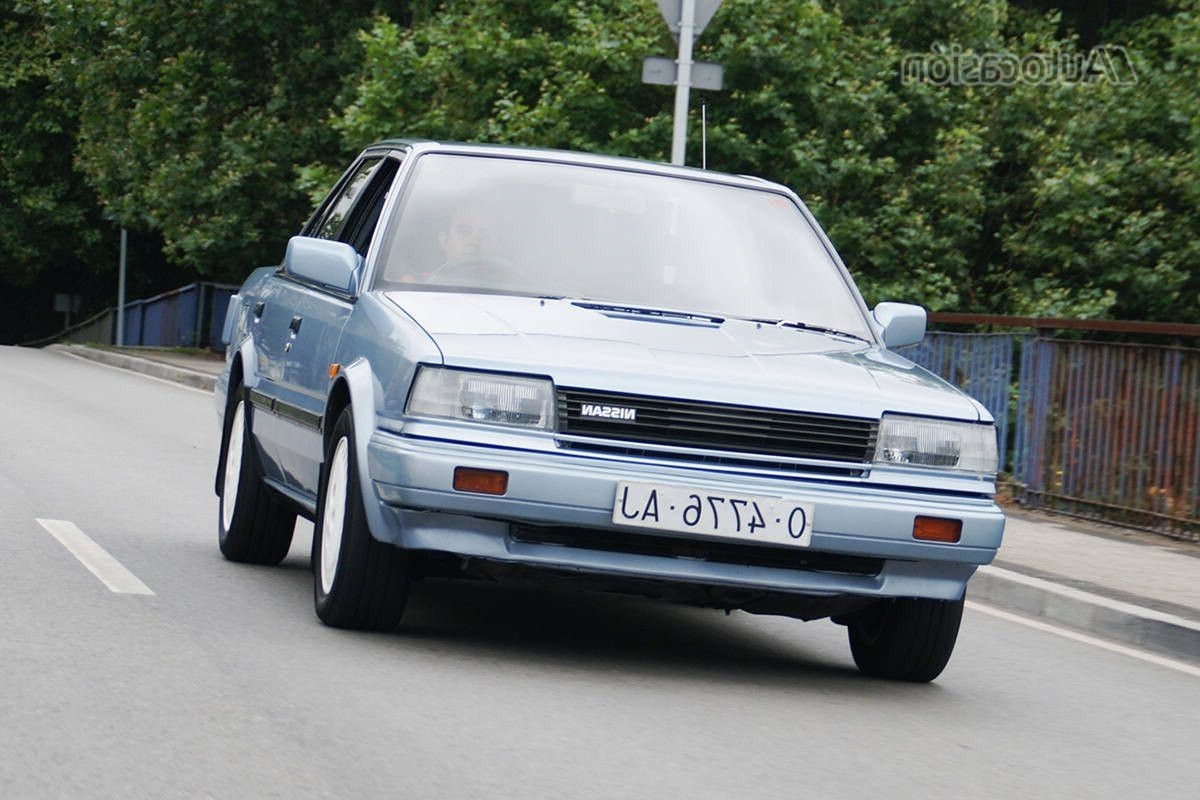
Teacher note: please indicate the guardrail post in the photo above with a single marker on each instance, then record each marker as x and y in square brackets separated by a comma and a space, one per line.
[201, 292]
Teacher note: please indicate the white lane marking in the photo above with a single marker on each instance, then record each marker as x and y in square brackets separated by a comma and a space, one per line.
[164, 381]
[98, 560]
[1066, 633]
[1072, 593]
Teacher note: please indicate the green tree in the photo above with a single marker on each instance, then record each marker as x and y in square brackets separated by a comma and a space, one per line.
[810, 100]
[51, 233]
[554, 74]
[1075, 198]
[213, 126]
[194, 116]
[1111, 207]
[49, 216]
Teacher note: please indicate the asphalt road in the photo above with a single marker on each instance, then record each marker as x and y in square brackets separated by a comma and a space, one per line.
[223, 683]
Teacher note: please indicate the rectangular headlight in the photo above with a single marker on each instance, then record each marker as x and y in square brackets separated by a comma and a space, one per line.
[482, 397]
[938, 444]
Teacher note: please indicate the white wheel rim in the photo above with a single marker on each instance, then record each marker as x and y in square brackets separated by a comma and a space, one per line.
[334, 518]
[233, 466]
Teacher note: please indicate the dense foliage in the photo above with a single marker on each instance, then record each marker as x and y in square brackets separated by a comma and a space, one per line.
[212, 126]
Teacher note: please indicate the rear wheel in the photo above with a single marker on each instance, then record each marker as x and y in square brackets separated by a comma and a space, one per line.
[358, 581]
[907, 639]
[253, 526]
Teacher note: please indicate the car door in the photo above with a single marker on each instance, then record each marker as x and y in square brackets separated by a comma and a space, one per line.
[309, 323]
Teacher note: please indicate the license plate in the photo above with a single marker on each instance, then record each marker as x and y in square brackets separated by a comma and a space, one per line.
[774, 520]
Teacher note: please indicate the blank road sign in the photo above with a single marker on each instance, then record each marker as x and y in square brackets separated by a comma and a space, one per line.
[66, 302]
[664, 71]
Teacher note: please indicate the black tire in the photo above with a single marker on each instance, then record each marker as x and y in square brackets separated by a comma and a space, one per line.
[363, 584]
[258, 528]
[907, 639]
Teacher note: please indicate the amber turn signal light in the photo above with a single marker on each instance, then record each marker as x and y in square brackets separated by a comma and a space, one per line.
[937, 529]
[480, 481]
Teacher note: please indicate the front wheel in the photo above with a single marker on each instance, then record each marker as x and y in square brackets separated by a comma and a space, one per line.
[907, 639]
[253, 526]
[358, 581]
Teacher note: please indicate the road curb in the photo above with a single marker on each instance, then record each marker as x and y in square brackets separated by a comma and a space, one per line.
[157, 369]
[1086, 611]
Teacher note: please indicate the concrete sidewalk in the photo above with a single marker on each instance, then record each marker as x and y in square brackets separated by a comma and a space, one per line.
[1132, 587]
[1128, 586]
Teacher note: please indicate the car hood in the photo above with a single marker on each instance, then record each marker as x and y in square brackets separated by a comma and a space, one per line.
[735, 361]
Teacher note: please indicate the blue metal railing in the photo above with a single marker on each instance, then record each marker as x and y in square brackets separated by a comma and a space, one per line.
[190, 316]
[1112, 431]
[182, 317]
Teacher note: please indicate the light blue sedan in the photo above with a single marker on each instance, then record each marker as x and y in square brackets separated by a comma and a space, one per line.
[505, 363]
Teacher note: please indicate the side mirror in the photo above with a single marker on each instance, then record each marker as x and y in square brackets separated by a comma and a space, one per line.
[902, 323]
[323, 262]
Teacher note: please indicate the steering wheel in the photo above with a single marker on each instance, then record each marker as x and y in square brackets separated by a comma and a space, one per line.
[477, 270]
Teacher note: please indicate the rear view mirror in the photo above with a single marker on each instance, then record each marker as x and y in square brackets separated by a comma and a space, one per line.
[323, 262]
[901, 323]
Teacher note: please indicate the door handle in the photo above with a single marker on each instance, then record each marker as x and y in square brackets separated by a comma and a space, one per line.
[294, 327]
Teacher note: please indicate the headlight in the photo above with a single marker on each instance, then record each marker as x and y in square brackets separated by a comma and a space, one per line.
[482, 397]
[940, 444]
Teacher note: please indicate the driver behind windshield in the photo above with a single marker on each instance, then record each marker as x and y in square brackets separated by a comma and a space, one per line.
[470, 236]
[471, 252]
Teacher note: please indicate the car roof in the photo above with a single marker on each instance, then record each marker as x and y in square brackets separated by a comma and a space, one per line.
[418, 146]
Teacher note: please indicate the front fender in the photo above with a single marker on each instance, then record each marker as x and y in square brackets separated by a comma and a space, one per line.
[247, 356]
[361, 385]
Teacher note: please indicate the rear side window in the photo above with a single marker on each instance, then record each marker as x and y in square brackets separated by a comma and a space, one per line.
[334, 218]
[360, 226]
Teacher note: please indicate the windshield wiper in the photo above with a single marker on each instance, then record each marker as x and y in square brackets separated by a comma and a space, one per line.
[804, 326]
[620, 308]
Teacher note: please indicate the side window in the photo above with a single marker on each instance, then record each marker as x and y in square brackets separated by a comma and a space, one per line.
[361, 225]
[331, 223]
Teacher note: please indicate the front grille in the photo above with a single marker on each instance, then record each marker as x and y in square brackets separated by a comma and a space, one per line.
[715, 427]
[717, 552]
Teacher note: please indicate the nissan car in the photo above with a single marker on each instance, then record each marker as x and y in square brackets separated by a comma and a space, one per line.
[497, 363]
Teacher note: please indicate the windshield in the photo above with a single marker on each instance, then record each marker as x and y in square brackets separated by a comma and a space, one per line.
[503, 225]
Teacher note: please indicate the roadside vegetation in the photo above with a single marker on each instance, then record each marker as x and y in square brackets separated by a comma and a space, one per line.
[208, 128]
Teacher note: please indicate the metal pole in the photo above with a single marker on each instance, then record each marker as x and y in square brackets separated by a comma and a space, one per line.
[683, 84]
[704, 136]
[121, 292]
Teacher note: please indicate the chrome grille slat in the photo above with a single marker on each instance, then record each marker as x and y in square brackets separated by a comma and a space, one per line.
[733, 440]
[684, 418]
[849, 439]
[716, 427]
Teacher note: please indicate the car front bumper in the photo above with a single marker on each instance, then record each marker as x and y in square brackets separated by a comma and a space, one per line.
[412, 478]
